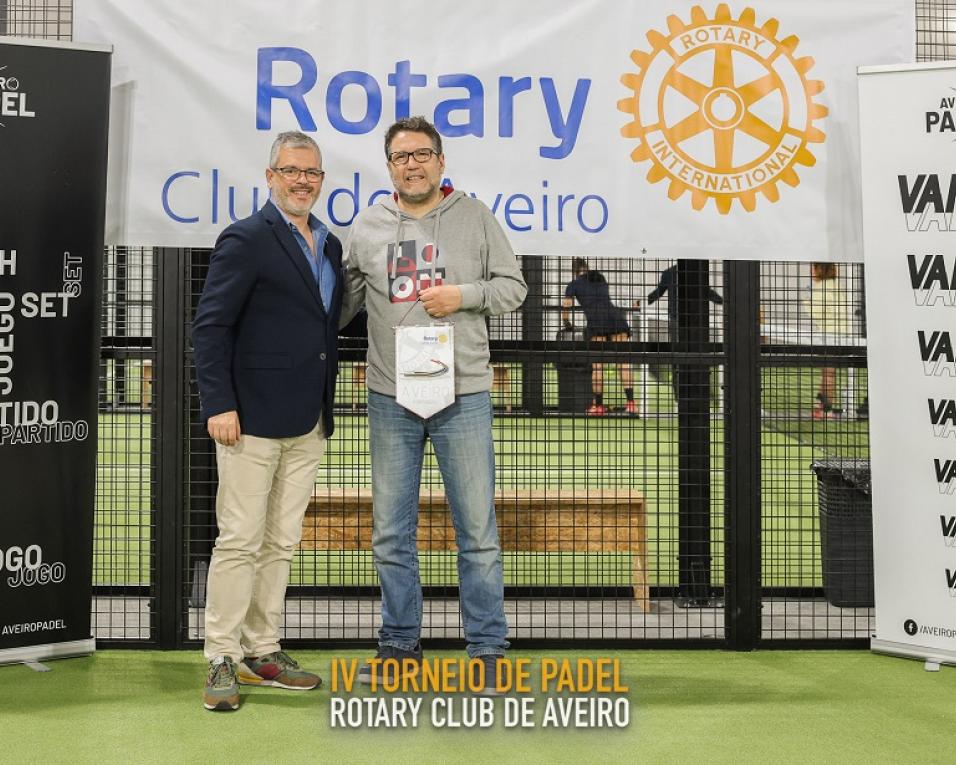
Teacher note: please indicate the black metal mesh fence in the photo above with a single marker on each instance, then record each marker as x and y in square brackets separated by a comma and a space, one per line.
[814, 407]
[47, 19]
[124, 557]
[935, 30]
[614, 522]
[594, 527]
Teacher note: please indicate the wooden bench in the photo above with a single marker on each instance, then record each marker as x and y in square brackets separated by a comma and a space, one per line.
[552, 520]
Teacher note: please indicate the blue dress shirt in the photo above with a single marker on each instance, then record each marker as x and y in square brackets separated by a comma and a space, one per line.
[322, 270]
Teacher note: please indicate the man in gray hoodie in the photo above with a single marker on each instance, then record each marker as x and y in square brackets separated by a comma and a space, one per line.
[428, 253]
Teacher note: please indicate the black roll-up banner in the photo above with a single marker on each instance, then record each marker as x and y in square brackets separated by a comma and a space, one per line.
[54, 112]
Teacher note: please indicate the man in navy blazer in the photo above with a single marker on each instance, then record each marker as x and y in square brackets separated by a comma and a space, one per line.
[266, 359]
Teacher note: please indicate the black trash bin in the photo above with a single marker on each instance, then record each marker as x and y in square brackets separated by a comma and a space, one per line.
[574, 378]
[846, 531]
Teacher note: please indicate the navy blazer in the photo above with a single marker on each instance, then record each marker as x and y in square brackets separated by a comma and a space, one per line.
[264, 344]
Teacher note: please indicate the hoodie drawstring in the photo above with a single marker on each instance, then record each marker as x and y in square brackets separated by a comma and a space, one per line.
[435, 245]
[397, 251]
[400, 230]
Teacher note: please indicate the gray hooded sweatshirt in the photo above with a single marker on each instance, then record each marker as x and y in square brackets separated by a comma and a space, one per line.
[473, 253]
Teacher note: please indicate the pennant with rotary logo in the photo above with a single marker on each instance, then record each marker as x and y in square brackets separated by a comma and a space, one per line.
[425, 368]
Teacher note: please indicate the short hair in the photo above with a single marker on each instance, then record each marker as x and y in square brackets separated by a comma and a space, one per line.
[292, 139]
[413, 125]
[579, 264]
[824, 270]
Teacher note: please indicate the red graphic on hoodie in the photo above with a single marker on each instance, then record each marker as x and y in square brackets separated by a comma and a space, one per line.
[413, 272]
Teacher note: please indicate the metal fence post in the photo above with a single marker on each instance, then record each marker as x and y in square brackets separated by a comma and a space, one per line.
[532, 332]
[742, 454]
[692, 390]
[168, 457]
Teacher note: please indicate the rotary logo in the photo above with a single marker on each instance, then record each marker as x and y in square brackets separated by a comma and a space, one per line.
[722, 108]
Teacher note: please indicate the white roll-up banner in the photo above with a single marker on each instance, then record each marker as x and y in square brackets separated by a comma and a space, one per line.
[598, 127]
[54, 107]
[908, 130]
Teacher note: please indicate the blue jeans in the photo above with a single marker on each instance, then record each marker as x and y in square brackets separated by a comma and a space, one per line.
[461, 437]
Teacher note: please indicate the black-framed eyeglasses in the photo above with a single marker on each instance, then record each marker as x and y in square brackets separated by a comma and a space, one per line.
[292, 173]
[421, 156]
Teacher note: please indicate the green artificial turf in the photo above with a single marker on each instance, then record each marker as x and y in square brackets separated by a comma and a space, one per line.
[686, 707]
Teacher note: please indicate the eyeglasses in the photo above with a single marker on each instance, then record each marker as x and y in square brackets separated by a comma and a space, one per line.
[291, 173]
[421, 156]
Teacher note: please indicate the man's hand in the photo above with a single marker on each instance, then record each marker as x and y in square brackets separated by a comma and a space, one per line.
[224, 428]
[442, 300]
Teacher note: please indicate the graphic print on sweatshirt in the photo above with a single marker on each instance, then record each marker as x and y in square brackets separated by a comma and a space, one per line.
[413, 272]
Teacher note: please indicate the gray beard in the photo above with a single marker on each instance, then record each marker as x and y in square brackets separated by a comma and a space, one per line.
[289, 209]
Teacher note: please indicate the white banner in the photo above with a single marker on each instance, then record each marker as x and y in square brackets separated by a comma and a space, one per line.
[598, 127]
[909, 191]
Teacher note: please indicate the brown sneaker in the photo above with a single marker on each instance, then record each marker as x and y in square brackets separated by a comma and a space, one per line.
[221, 693]
[277, 670]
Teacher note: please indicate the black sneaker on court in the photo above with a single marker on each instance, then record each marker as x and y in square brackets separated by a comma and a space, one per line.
[406, 662]
[490, 685]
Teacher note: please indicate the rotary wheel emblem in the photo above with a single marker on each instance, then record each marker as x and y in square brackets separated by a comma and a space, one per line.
[722, 108]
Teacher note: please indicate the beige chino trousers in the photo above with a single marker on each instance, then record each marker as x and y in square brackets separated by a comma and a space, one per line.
[264, 489]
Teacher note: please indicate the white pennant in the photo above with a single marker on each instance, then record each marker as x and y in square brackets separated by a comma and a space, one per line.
[425, 368]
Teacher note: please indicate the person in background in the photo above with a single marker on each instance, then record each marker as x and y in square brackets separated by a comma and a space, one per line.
[827, 304]
[501, 384]
[604, 321]
[667, 285]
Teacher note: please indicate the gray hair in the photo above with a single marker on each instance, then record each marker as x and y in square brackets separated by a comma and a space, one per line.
[294, 140]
